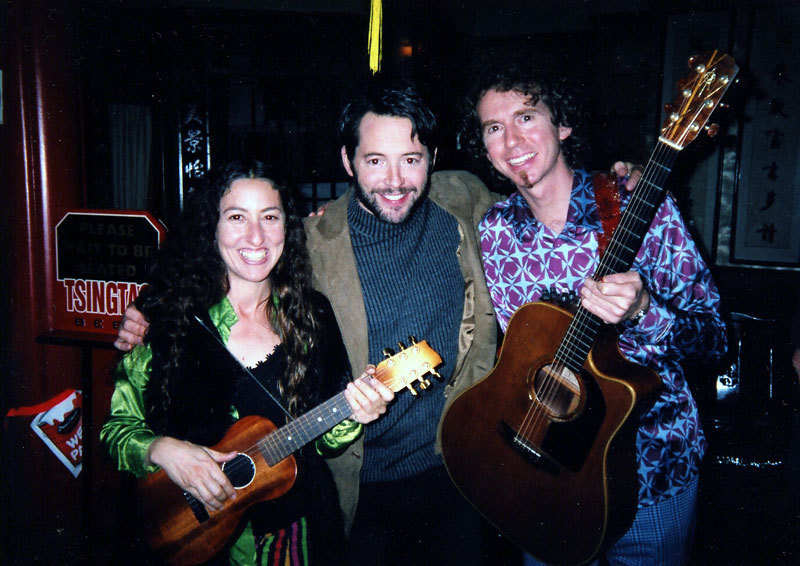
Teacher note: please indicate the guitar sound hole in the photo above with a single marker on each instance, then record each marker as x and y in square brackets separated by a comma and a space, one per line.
[558, 389]
[240, 471]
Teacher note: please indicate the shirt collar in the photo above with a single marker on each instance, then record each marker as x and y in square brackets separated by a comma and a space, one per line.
[582, 214]
[223, 317]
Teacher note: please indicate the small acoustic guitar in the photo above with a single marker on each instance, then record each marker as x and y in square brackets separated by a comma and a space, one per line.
[184, 531]
[544, 445]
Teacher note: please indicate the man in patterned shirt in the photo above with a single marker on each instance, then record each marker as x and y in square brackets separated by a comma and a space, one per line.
[543, 240]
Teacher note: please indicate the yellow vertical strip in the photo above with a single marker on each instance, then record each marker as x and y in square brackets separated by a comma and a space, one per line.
[375, 30]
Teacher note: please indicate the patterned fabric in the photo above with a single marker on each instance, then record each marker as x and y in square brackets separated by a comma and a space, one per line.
[284, 547]
[523, 260]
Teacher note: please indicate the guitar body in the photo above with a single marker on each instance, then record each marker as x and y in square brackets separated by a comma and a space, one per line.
[190, 533]
[555, 474]
[183, 531]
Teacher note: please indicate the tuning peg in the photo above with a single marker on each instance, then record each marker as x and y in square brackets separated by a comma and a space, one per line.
[712, 130]
[401, 345]
[412, 339]
[411, 388]
[694, 64]
[388, 352]
[424, 383]
[435, 373]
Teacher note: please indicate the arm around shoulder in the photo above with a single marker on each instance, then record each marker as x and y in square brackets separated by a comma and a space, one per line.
[462, 191]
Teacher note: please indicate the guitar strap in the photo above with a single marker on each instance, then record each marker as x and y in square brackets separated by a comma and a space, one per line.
[606, 195]
[245, 369]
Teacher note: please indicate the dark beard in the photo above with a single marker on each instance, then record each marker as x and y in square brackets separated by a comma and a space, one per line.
[363, 198]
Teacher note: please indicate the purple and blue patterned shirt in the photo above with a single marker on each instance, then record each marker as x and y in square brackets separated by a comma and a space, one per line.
[523, 260]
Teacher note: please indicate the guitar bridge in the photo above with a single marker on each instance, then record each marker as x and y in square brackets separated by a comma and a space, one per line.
[529, 451]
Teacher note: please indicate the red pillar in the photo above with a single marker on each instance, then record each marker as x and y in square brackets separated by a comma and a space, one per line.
[44, 505]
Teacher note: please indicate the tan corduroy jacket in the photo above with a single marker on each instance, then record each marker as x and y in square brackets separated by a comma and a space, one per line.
[465, 197]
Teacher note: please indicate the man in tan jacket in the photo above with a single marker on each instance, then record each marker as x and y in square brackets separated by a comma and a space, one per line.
[398, 255]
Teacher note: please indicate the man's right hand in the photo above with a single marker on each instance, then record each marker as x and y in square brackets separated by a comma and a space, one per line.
[320, 211]
[132, 330]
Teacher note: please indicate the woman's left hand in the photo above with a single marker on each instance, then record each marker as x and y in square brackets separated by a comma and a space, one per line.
[367, 397]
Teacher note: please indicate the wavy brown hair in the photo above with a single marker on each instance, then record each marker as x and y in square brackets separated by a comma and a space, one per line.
[539, 81]
[189, 276]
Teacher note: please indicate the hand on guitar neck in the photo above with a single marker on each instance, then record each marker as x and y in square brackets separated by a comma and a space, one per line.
[616, 297]
[627, 169]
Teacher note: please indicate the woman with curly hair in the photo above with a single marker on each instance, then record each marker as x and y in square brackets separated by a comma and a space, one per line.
[238, 263]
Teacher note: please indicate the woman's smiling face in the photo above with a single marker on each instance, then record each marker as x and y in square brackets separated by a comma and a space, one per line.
[250, 231]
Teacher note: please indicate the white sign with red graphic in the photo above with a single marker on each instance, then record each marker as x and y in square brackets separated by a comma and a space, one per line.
[61, 429]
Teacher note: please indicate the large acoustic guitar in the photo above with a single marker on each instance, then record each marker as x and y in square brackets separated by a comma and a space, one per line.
[544, 445]
[184, 531]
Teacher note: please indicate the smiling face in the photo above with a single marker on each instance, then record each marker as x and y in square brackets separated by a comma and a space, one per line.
[250, 232]
[521, 140]
[390, 168]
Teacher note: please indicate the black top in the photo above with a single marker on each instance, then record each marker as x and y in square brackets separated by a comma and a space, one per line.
[213, 381]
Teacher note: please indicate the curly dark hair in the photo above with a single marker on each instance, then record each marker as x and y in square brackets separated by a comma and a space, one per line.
[189, 276]
[530, 77]
[388, 98]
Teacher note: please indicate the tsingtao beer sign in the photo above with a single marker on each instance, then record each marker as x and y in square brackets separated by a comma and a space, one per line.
[101, 262]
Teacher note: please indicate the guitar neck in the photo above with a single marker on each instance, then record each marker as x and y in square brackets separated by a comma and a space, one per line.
[621, 251]
[635, 222]
[294, 435]
[396, 372]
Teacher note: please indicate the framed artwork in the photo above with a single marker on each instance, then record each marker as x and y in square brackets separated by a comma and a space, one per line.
[688, 34]
[745, 195]
[766, 221]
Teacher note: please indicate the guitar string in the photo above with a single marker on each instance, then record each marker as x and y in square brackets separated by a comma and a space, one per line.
[578, 326]
[277, 438]
[549, 385]
[642, 203]
[392, 382]
[274, 441]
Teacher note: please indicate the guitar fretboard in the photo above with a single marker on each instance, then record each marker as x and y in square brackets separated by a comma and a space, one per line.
[294, 435]
[621, 251]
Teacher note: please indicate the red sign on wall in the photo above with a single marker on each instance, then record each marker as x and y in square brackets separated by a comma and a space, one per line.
[101, 265]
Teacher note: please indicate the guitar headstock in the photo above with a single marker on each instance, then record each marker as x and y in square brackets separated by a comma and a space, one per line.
[411, 364]
[700, 94]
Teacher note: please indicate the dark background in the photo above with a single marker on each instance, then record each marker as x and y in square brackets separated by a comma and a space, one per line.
[272, 77]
